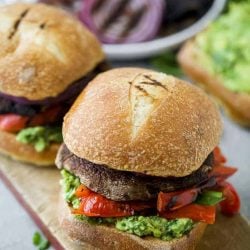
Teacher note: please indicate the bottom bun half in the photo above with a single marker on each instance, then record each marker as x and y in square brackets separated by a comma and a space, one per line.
[105, 237]
[10, 147]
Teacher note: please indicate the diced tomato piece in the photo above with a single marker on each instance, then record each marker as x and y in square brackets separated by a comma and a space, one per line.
[193, 211]
[175, 200]
[12, 122]
[94, 204]
[231, 204]
[219, 158]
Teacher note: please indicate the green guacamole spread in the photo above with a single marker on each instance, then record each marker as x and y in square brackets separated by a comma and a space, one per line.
[226, 47]
[138, 225]
[40, 137]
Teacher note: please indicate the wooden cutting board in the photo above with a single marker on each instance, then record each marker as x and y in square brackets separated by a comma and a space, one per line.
[37, 190]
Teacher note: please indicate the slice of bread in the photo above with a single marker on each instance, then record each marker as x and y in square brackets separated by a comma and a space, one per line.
[237, 105]
[109, 238]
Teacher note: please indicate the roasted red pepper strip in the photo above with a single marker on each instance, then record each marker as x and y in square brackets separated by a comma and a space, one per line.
[49, 115]
[219, 158]
[175, 200]
[193, 211]
[97, 205]
[82, 191]
[231, 204]
[94, 204]
[222, 172]
[12, 122]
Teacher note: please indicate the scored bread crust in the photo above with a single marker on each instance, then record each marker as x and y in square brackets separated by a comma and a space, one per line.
[9, 146]
[43, 50]
[167, 132]
[237, 105]
[107, 237]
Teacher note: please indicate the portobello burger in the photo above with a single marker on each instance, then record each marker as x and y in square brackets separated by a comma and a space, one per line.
[140, 164]
[46, 59]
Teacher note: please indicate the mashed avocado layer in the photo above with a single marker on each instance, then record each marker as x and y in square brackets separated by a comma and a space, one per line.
[40, 137]
[227, 47]
[155, 226]
[138, 225]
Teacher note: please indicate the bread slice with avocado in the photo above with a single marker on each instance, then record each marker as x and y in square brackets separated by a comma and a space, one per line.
[218, 59]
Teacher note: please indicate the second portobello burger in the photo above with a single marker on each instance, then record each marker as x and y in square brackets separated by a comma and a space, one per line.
[46, 59]
[140, 164]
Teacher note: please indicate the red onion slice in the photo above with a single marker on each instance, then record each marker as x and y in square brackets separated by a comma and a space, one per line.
[123, 21]
[72, 91]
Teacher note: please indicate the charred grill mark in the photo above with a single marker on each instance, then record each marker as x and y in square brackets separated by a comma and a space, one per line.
[142, 90]
[208, 182]
[153, 82]
[117, 10]
[145, 92]
[130, 95]
[17, 23]
[130, 87]
[42, 26]
[133, 21]
[97, 6]
[171, 203]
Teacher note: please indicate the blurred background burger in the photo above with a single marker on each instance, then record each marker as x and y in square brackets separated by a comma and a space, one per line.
[46, 58]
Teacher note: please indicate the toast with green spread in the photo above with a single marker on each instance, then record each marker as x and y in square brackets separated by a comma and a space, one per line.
[219, 60]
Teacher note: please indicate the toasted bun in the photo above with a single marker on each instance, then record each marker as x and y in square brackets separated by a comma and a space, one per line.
[26, 153]
[106, 238]
[139, 120]
[43, 50]
[236, 104]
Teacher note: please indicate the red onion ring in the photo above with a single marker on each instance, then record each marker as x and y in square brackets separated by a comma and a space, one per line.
[147, 26]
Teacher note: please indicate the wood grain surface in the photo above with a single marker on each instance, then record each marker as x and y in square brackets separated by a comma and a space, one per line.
[37, 190]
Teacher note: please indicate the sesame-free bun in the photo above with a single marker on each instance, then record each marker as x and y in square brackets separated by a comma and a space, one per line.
[10, 147]
[237, 105]
[107, 237]
[138, 120]
[43, 50]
